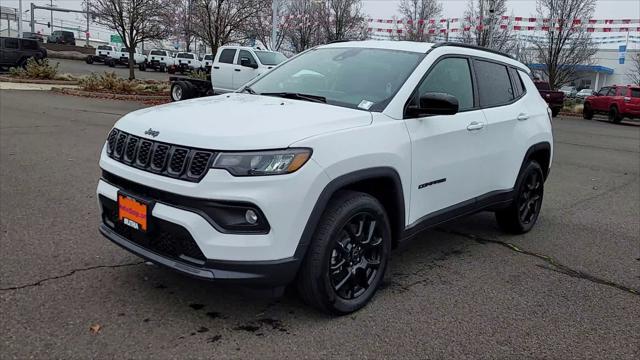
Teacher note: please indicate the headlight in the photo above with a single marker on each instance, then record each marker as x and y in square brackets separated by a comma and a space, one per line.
[259, 163]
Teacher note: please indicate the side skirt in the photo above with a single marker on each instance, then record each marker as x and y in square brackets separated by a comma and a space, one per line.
[490, 201]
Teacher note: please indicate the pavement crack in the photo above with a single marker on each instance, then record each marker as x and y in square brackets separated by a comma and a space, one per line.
[72, 272]
[552, 264]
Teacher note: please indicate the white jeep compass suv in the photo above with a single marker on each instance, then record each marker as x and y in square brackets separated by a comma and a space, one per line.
[313, 172]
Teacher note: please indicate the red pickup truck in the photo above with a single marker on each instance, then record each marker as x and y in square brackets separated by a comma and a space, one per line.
[617, 101]
[555, 99]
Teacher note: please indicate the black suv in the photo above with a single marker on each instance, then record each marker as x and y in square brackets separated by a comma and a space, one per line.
[62, 37]
[16, 52]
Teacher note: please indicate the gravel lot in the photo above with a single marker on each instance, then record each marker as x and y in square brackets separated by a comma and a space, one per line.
[568, 289]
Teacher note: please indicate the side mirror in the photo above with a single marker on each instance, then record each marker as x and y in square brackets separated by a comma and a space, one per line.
[247, 63]
[435, 104]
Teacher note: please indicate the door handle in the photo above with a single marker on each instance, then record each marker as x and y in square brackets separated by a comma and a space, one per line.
[238, 70]
[216, 67]
[522, 117]
[475, 126]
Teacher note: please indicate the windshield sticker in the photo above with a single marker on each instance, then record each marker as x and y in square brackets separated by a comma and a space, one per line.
[365, 104]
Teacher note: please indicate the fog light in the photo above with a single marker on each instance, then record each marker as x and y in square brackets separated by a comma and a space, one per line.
[251, 217]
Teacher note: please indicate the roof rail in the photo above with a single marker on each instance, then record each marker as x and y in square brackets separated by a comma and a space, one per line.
[469, 46]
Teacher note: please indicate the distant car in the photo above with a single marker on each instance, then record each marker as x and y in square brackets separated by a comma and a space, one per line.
[16, 52]
[569, 91]
[62, 37]
[555, 99]
[584, 93]
[185, 62]
[207, 62]
[33, 36]
[103, 54]
[617, 101]
[159, 60]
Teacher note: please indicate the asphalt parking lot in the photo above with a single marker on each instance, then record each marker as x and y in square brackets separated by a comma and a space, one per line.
[79, 68]
[567, 289]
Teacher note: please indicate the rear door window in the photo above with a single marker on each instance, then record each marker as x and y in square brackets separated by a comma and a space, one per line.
[518, 85]
[494, 84]
[10, 43]
[29, 44]
[635, 92]
[227, 56]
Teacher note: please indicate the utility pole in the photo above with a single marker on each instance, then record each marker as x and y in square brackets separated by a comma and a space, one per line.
[20, 18]
[274, 23]
[51, 5]
[446, 35]
[33, 21]
[86, 34]
[492, 11]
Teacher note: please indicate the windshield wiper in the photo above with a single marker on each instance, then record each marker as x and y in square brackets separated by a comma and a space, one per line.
[298, 96]
[249, 90]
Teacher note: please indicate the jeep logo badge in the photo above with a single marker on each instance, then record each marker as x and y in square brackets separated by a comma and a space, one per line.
[152, 132]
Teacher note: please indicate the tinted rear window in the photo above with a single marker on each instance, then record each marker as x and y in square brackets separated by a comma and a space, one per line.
[208, 57]
[494, 84]
[635, 92]
[104, 47]
[185, 56]
[227, 56]
[157, 52]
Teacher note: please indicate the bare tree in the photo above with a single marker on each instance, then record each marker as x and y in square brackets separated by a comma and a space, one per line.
[219, 22]
[259, 26]
[135, 21]
[341, 20]
[484, 19]
[565, 44]
[302, 30]
[180, 14]
[416, 14]
[634, 74]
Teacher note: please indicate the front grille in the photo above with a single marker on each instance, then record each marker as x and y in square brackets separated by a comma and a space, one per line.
[164, 159]
[164, 237]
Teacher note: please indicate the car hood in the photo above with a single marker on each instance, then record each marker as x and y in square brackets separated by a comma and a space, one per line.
[240, 121]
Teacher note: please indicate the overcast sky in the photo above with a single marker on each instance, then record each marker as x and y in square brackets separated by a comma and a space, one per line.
[613, 9]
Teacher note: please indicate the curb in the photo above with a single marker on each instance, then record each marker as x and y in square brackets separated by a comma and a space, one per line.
[102, 95]
[37, 81]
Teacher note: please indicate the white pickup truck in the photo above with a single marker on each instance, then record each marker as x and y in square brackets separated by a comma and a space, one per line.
[185, 62]
[103, 54]
[233, 66]
[159, 60]
[121, 57]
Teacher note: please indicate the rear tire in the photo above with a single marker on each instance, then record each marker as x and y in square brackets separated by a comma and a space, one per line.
[89, 60]
[614, 115]
[111, 63]
[181, 90]
[587, 112]
[522, 214]
[142, 67]
[163, 68]
[348, 254]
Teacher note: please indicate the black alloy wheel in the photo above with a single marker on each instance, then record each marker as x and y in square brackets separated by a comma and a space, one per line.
[356, 256]
[530, 199]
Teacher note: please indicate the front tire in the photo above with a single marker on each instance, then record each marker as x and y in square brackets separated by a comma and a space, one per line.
[587, 112]
[89, 60]
[348, 254]
[522, 214]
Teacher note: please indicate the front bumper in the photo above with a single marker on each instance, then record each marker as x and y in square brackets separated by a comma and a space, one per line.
[267, 273]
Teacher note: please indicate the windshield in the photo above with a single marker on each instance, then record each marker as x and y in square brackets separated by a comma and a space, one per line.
[358, 78]
[185, 56]
[270, 58]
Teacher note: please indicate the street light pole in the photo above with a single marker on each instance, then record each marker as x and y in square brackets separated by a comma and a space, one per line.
[20, 18]
[274, 23]
[86, 34]
[51, 5]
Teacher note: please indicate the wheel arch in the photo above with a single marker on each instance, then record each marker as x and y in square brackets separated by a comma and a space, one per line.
[383, 183]
[541, 153]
